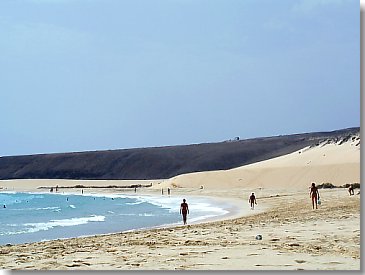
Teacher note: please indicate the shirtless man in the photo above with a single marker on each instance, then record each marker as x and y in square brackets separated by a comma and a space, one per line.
[184, 210]
[252, 200]
[314, 194]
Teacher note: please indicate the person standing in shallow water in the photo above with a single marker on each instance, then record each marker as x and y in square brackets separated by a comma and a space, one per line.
[184, 210]
[252, 200]
[314, 194]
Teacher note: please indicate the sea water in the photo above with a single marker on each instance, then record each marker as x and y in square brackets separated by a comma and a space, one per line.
[32, 217]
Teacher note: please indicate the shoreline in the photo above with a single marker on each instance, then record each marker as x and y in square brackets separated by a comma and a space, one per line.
[232, 206]
[294, 237]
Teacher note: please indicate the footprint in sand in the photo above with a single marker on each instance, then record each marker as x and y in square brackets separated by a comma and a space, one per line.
[275, 240]
[72, 265]
[300, 261]
[204, 252]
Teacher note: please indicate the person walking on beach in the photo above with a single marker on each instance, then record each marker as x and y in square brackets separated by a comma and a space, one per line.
[314, 194]
[252, 200]
[184, 210]
[168, 191]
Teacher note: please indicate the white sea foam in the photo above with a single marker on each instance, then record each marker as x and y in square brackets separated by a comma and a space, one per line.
[47, 208]
[43, 226]
[34, 227]
[53, 208]
[199, 205]
[134, 203]
[201, 208]
[146, 215]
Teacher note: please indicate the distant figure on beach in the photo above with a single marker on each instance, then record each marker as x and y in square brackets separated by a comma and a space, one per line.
[161, 191]
[135, 189]
[168, 191]
[184, 210]
[51, 189]
[252, 200]
[314, 194]
[351, 190]
[82, 191]
[56, 188]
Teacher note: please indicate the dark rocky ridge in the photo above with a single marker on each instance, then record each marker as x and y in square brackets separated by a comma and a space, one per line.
[160, 162]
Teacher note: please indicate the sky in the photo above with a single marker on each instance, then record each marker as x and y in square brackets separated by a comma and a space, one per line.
[86, 75]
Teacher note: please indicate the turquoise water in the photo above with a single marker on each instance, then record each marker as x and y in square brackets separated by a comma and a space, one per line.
[30, 217]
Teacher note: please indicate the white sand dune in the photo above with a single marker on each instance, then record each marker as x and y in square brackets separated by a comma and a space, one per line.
[326, 163]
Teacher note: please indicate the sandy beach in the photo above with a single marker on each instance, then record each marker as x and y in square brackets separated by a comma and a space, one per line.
[294, 236]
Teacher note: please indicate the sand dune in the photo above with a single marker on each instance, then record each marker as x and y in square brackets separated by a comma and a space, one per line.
[326, 163]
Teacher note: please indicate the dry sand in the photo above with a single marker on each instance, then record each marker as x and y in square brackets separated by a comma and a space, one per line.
[333, 163]
[293, 235]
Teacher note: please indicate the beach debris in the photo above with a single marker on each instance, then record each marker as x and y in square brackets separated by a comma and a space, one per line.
[258, 237]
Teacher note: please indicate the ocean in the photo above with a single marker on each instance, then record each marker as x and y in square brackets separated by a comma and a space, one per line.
[33, 217]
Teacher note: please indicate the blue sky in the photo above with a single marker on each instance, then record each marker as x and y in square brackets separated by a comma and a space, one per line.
[84, 75]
